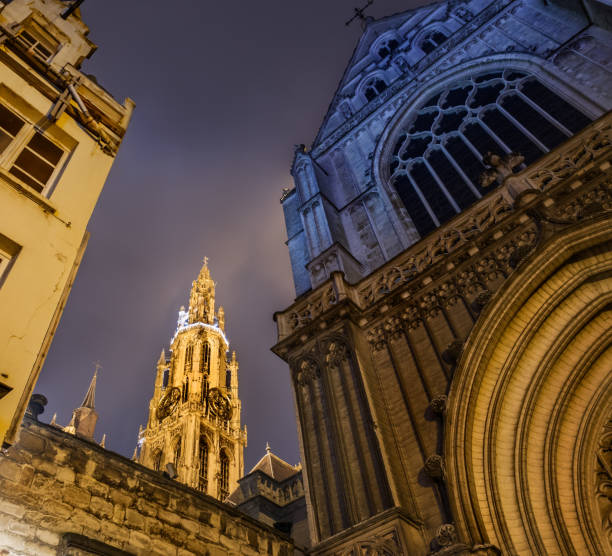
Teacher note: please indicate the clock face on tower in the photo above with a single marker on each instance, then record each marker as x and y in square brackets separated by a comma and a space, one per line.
[219, 404]
[168, 403]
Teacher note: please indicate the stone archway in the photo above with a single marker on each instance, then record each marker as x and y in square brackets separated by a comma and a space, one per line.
[530, 398]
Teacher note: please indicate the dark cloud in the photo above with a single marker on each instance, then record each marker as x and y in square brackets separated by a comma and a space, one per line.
[223, 92]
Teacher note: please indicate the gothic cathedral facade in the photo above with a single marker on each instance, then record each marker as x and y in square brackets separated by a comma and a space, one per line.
[450, 236]
[194, 414]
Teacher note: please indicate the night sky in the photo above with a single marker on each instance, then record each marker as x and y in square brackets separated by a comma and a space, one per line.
[223, 91]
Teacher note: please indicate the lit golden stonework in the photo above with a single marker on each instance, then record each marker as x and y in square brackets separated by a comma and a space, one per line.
[194, 415]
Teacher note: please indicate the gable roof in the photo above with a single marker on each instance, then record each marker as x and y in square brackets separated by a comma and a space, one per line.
[275, 467]
[374, 28]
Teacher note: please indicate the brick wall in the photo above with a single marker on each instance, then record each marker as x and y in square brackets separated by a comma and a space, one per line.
[53, 484]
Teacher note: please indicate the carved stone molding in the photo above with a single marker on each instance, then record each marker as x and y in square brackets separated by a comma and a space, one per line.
[434, 467]
[603, 480]
[379, 545]
[453, 352]
[337, 352]
[306, 371]
[438, 404]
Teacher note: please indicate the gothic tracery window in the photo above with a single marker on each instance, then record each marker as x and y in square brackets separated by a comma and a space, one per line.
[374, 87]
[224, 475]
[431, 41]
[436, 160]
[203, 457]
[185, 392]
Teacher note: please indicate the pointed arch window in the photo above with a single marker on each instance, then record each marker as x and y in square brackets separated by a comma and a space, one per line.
[224, 475]
[165, 378]
[157, 460]
[436, 157]
[432, 40]
[373, 87]
[387, 47]
[185, 393]
[203, 459]
[205, 365]
[188, 358]
[204, 392]
[177, 452]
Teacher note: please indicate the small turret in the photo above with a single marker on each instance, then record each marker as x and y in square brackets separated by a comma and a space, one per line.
[221, 319]
[84, 418]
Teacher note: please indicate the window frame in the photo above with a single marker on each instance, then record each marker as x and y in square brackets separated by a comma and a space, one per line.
[8, 254]
[20, 142]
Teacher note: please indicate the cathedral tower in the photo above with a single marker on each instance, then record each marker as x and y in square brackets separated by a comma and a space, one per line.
[194, 415]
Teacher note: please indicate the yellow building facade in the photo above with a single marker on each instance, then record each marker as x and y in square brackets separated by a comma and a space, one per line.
[59, 133]
[194, 414]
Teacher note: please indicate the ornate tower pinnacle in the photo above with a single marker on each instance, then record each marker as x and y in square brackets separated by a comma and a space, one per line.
[202, 298]
[194, 414]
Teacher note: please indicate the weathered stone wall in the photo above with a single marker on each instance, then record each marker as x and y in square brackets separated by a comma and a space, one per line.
[53, 484]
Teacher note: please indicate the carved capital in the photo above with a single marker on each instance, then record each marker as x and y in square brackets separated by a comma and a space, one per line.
[337, 352]
[452, 353]
[307, 371]
[434, 467]
[481, 300]
[438, 404]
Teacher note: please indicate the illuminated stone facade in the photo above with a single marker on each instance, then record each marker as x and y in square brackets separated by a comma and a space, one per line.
[59, 134]
[194, 414]
[450, 234]
[61, 494]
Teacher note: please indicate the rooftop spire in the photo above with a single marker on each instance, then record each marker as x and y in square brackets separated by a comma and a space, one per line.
[90, 398]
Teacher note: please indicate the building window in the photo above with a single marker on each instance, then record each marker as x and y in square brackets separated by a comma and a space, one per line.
[37, 42]
[188, 358]
[204, 393]
[436, 161]
[157, 460]
[8, 252]
[185, 392]
[74, 544]
[228, 379]
[177, 453]
[165, 378]
[224, 476]
[431, 41]
[36, 157]
[373, 88]
[205, 365]
[387, 47]
[203, 476]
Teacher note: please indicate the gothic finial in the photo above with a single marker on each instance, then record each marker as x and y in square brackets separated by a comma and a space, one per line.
[135, 454]
[268, 449]
[54, 419]
[103, 441]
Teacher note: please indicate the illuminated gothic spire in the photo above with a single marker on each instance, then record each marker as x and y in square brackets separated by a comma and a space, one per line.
[202, 298]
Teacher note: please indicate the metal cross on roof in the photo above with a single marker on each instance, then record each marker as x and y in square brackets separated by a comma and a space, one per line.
[359, 13]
